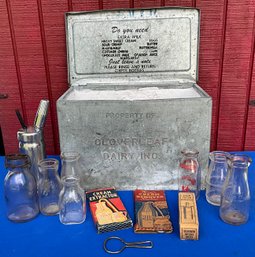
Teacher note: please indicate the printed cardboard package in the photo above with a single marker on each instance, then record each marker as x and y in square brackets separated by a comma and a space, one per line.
[188, 217]
[108, 211]
[151, 210]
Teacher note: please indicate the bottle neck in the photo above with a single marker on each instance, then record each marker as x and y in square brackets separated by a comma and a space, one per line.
[70, 158]
[189, 158]
[17, 161]
[71, 183]
[219, 157]
[238, 171]
[48, 172]
[186, 157]
[48, 167]
[69, 163]
[190, 154]
[239, 164]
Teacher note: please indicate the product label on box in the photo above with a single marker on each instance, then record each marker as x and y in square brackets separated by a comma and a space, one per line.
[188, 218]
[151, 211]
[107, 209]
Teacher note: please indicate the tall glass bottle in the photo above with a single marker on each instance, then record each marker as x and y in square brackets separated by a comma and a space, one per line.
[71, 166]
[49, 186]
[216, 175]
[189, 172]
[20, 189]
[72, 202]
[235, 201]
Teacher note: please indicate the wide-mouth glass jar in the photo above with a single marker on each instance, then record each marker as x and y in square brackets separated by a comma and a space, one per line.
[20, 189]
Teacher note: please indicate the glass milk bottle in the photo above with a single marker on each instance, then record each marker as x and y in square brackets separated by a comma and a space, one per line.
[235, 200]
[189, 172]
[49, 186]
[216, 175]
[72, 202]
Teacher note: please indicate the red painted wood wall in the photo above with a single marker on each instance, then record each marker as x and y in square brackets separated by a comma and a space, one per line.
[33, 63]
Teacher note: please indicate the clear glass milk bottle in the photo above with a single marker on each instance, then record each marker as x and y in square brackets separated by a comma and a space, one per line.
[49, 186]
[216, 175]
[189, 172]
[235, 200]
[20, 189]
[72, 202]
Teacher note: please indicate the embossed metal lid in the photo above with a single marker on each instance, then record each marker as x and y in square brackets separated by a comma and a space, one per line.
[132, 45]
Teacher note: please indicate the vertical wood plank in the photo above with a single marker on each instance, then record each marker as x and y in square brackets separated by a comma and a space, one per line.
[54, 30]
[183, 3]
[54, 40]
[8, 84]
[52, 104]
[235, 75]
[212, 39]
[250, 128]
[147, 3]
[116, 4]
[70, 5]
[81, 5]
[31, 61]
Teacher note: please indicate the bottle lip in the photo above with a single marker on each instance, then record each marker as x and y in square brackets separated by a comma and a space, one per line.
[70, 156]
[240, 160]
[48, 163]
[17, 161]
[219, 156]
[190, 152]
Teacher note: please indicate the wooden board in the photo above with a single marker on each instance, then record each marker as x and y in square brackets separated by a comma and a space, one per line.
[235, 75]
[30, 55]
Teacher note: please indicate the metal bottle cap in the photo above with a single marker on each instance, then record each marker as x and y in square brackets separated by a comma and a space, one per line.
[29, 136]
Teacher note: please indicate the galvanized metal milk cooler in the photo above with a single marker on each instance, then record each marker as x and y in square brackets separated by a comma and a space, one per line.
[133, 102]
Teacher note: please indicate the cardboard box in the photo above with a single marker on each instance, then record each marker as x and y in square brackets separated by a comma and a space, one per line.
[107, 210]
[151, 212]
[188, 217]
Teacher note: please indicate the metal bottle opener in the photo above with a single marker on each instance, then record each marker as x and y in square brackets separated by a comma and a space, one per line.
[141, 244]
